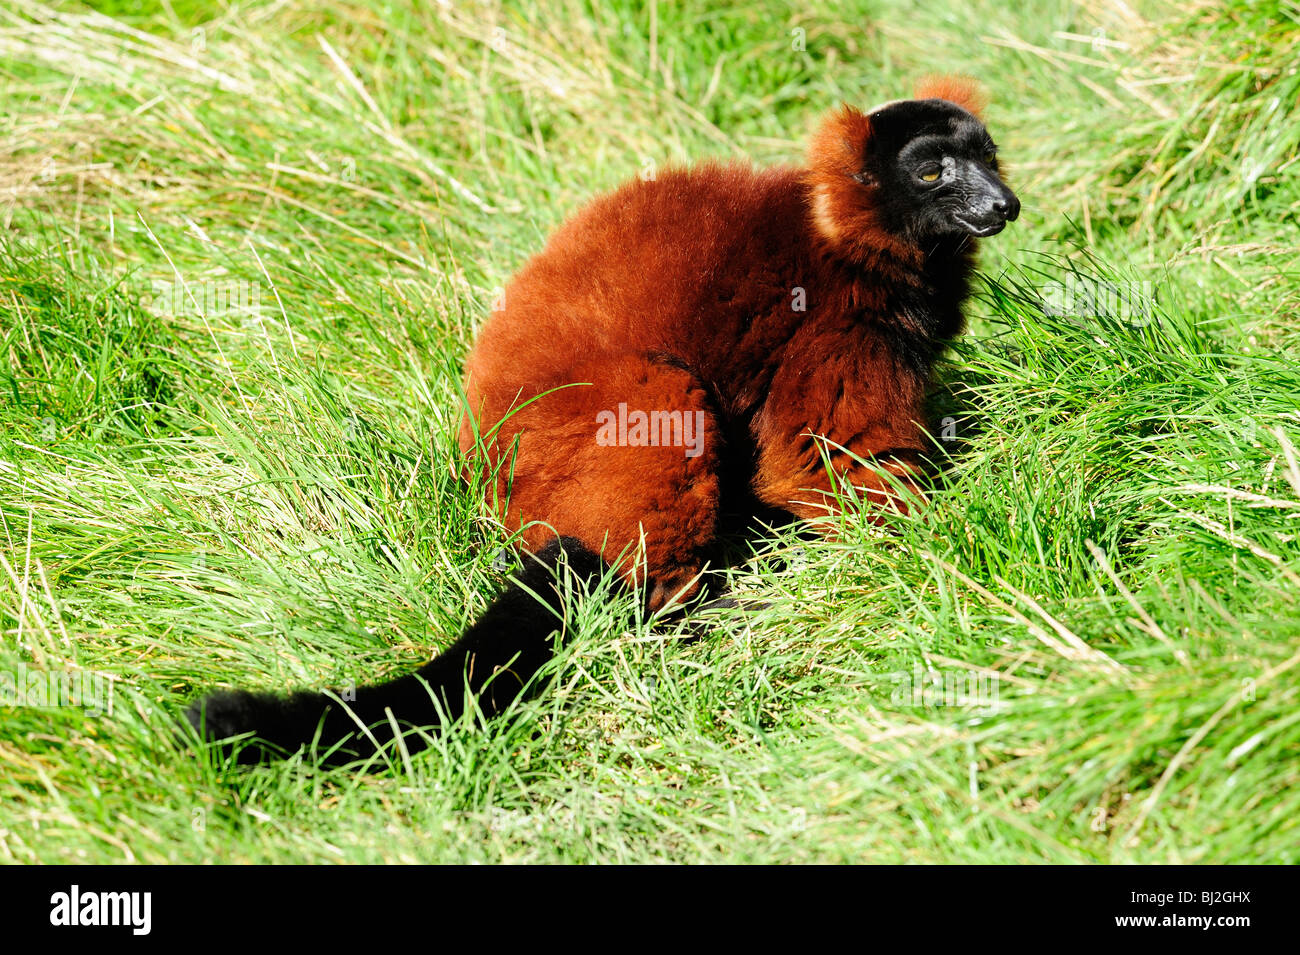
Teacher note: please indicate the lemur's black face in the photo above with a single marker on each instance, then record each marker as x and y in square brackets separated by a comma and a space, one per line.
[937, 171]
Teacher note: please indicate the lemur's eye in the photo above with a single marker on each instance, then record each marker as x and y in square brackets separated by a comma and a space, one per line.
[989, 156]
[929, 175]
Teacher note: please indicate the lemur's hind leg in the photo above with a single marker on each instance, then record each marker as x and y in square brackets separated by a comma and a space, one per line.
[626, 459]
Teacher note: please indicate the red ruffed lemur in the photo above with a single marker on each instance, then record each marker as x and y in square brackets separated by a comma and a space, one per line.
[714, 331]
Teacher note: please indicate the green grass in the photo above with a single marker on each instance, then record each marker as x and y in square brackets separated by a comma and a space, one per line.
[246, 247]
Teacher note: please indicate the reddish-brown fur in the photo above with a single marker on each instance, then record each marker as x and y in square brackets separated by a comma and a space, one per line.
[962, 90]
[678, 295]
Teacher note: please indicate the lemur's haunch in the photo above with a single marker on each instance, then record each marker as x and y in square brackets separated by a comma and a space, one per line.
[713, 328]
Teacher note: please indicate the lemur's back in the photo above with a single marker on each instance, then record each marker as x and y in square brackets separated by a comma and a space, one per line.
[697, 264]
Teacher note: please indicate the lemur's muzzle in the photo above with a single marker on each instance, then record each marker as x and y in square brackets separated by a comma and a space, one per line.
[990, 206]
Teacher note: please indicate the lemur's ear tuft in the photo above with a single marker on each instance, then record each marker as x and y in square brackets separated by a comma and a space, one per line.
[961, 90]
[839, 146]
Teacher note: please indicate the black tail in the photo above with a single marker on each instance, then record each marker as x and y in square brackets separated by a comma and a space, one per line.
[491, 665]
